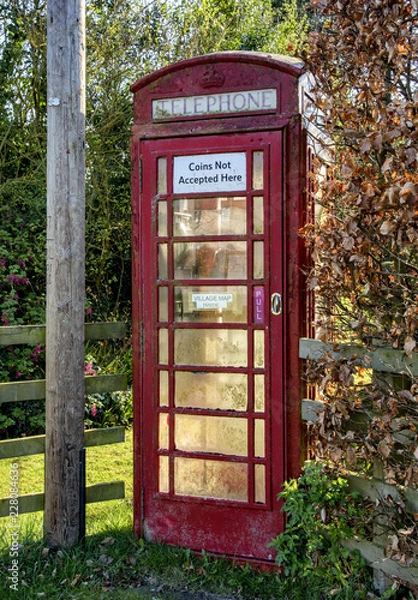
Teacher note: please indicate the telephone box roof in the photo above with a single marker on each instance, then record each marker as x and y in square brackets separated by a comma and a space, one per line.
[285, 64]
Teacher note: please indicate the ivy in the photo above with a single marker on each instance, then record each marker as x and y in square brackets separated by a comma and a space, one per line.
[320, 513]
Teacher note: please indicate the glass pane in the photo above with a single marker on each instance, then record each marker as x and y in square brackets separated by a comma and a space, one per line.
[162, 175]
[211, 479]
[258, 179]
[211, 260]
[259, 349]
[163, 432]
[164, 486]
[224, 391]
[258, 258]
[259, 393]
[258, 214]
[260, 484]
[210, 216]
[211, 347]
[226, 304]
[163, 304]
[163, 346]
[163, 388]
[259, 443]
[162, 261]
[162, 218]
[223, 435]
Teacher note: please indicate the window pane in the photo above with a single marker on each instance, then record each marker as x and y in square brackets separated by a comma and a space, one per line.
[163, 388]
[260, 484]
[258, 258]
[210, 260]
[258, 163]
[211, 479]
[215, 304]
[259, 349]
[163, 304]
[259, 442]
[258, 214]
[162, 218]
[164, 486]
[211, 347]
[225, 391]
[163, 436]
[162, 261]
[163, 346]
[162, 175]
[223, 435]
[210, 216]
[259, 393]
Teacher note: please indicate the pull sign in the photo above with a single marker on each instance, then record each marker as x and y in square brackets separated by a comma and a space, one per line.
[259, 305]
[276, 304]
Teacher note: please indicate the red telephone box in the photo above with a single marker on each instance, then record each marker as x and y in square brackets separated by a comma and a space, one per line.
[218, 178]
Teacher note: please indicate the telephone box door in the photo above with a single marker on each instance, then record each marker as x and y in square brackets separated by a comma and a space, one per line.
[212, 413]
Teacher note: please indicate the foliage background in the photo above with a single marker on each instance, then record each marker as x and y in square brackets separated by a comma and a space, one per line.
[363, 57]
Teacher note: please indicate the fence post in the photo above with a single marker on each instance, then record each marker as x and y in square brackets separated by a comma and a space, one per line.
[65, 269]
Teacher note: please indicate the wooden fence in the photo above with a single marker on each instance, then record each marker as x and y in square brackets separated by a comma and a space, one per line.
[35, 390]
[382, 360]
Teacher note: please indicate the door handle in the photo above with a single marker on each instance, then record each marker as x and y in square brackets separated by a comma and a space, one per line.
[276, 304]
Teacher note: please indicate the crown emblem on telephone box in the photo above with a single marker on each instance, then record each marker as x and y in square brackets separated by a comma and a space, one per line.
[212, 79]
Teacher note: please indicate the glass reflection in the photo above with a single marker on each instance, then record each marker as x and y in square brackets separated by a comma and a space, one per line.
[163, 304]
[259, 393]
[258, 165]
[162, 175]
[163, 346]
[224, 391]
[211, 479]
[162, 218]
[211, 347]
[259, 440]
[164, 485]
[222, 435]
[163, 435]
[210, 216]
[258, 348]
[163, 388]
[258, 214]
[162, 261]
[260, 484]
[258, 257]
[210, 260]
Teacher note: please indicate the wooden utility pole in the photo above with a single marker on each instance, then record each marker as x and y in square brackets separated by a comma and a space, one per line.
[65, 269]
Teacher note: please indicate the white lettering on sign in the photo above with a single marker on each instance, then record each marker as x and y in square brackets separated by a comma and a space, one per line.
[230, 102]
[210, 173]
[212, 301]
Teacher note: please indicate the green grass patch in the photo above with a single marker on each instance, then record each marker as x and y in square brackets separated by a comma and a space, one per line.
[114, 564]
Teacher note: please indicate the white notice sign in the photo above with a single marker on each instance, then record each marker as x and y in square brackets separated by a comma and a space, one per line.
[210, 173]
[212, 301]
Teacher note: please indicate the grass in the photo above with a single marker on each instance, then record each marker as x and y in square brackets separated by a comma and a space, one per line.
[114, 564]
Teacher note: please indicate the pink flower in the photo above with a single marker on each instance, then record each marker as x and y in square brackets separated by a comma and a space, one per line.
[93, 410]
[88, 369]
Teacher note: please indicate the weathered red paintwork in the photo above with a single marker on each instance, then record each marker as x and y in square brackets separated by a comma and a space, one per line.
[223, 527]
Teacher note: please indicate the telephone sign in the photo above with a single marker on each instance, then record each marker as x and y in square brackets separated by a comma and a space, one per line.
[217, 198]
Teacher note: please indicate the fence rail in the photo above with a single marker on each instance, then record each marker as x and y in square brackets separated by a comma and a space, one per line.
[35, 390]
[387, 361]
